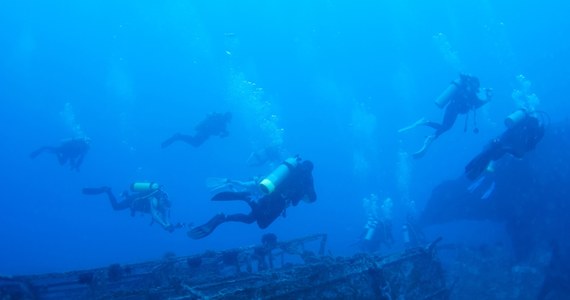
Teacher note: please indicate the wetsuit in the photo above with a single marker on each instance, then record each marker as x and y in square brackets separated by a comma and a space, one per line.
[516, 141]
[296, 187]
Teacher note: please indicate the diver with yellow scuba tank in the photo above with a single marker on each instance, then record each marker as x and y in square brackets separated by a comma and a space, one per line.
[460, 97]
[146, 197]
[524, 131]
[288, 184]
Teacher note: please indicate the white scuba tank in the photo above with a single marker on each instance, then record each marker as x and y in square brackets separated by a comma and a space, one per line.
[272, 181]
[448, 93]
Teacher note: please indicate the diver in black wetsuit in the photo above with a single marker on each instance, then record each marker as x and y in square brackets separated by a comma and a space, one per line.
[290, 183]
[70, 151]
[523, 135]
[213, 124]
[460, 97]
[147, 198]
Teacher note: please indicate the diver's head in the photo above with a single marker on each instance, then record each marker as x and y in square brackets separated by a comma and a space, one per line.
[469, 82]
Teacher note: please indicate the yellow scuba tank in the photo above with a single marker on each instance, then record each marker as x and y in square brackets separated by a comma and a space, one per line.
[269, 183]
[515, 117]
[448, 93]
[144, 186]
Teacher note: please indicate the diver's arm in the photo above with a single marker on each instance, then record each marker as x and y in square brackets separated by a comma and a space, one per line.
[157, 214]
[488, 96]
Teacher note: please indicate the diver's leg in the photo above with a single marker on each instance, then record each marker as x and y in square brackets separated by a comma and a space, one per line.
[480, 162]
[206, 229]
[427, 142]
[433, 125]
[449, 118]
[196, 140]
[41, 150]
[172, 139]
[420, 122]
[107, 190]
[242, 218]
[115, 204]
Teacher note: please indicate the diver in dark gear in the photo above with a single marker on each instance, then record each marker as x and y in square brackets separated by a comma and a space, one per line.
[70, 151]
[459, 98]
[148, 197]
[522, 135]
[213, 124]
[287, 185]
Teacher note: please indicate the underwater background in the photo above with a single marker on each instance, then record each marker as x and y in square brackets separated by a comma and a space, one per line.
[332, 81]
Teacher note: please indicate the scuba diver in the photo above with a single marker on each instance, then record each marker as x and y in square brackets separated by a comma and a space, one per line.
[213, 124]
[523, 133]
[147, 197]
[70, 151]
[460, 97]
[288, 184]
[378, 228]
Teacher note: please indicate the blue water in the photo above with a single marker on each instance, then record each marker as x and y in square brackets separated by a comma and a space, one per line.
[334, 80]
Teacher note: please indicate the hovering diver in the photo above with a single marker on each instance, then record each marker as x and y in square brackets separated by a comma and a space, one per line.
[148, 197]
[70, 151]
[460, 97]
[523, 133]
[288, 184]
[378, 227]
[213, 124]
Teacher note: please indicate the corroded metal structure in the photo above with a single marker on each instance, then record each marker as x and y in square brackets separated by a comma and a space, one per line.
[296, 269]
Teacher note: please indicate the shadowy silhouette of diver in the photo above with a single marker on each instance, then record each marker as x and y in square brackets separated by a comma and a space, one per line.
[70, 151]
[213, 124]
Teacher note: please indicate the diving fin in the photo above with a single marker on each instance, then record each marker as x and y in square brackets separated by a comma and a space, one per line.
[37, 152]
[170, 140]
[204, 230]
[214, 183]
[420, 153]
[419, 122]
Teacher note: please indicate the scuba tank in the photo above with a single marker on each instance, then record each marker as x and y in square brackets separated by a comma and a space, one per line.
[515, 117]
[144, 186]
[446, 96]
[269, 183]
